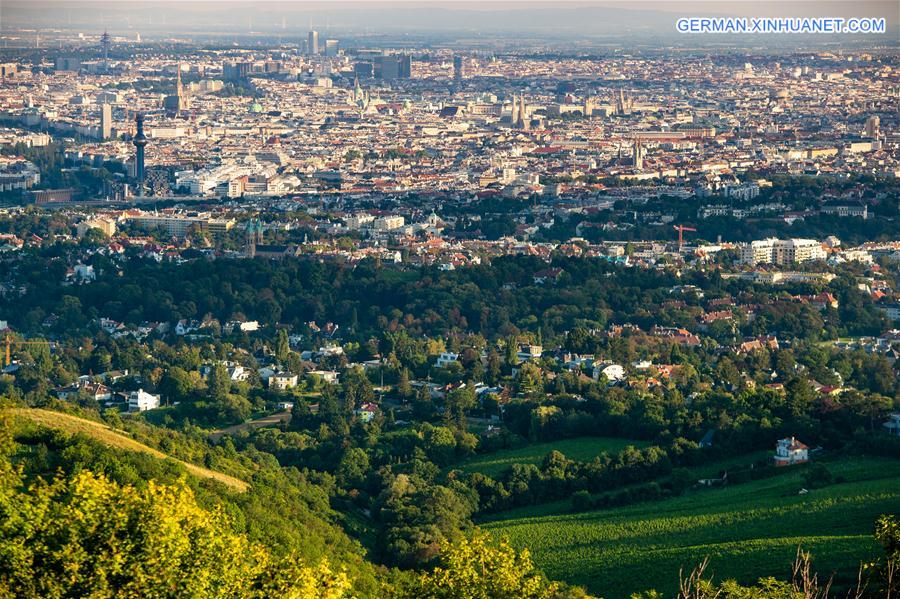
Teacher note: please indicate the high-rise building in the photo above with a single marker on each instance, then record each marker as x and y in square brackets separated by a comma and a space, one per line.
[236, 71]
[405, 66]
[139, 141]
[873, 126]
[312, 43]
[331, 48]
[638, 154]
[67, 63]
[393, 66]
[105, 121]
[457, 68]
[364, 70]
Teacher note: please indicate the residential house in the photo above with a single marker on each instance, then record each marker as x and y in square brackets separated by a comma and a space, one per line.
[892, 426]
[790, 451]
[366, 412]
[614, 373]
[141, 401]
[445, 359]
[282, 381]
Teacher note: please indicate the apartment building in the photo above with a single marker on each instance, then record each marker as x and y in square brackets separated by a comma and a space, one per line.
[781, 251]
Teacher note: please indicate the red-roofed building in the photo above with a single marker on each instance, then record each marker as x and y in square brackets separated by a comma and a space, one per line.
[790, 451]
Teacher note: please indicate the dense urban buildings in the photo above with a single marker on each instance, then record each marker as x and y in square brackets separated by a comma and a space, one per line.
[419, 300]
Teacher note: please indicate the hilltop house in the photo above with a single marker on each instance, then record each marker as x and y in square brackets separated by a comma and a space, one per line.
[141, 401]
[790, 451]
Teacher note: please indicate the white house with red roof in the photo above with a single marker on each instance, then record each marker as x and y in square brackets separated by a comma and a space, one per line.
[790, 451]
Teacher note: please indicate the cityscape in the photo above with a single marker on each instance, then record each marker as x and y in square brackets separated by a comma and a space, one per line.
[448, 299]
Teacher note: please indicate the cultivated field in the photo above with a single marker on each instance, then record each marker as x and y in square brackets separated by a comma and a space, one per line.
[583, 449]
[748, 531]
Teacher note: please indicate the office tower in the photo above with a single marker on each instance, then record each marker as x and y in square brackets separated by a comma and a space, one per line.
[364, 70]
[638, 154]
[873, 127]
[405, 66]
[66, 63]
[139, 141]
[457, 68]
[331, 48]
[236, 71]
[105, 121]
[312, 43]
[393, 66]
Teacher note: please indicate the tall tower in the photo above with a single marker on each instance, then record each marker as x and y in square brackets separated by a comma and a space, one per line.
[873, 127]
[105, 121]
[105, 41]
[523, 121]
[254, 237]
[312, 43]
[139, 141]
[638, 154]
[179, 88]
[457, 69]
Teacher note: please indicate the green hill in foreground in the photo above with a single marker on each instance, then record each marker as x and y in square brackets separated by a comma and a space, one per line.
[748, 531]
[112, 438]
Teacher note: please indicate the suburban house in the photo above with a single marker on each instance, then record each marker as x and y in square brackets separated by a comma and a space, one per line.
[529, 352]
[366, 412]
[445, 359]
[96, 391]
[790, 451]
[248, 326]
[141, 401]
[328, 376]
[892, 426]
[613, 372]
[282, 381]
[548, 274]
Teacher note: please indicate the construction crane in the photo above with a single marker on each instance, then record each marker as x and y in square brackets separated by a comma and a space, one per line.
[9, 342]
[681, 229]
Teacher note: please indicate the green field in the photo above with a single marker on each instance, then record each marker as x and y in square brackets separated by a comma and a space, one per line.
[583, 449]
[748, 531]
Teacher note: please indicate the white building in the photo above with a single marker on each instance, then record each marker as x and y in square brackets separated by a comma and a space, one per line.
[388, 223]
[141, 401]
[781, 251]
[445, 359]
[282, 381]
[613, 372]
[790, 451]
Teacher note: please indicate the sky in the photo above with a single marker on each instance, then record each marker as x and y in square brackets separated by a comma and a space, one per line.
[581, 18]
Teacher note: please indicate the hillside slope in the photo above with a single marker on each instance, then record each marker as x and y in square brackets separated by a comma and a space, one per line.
[108, 436]
[748, 531]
